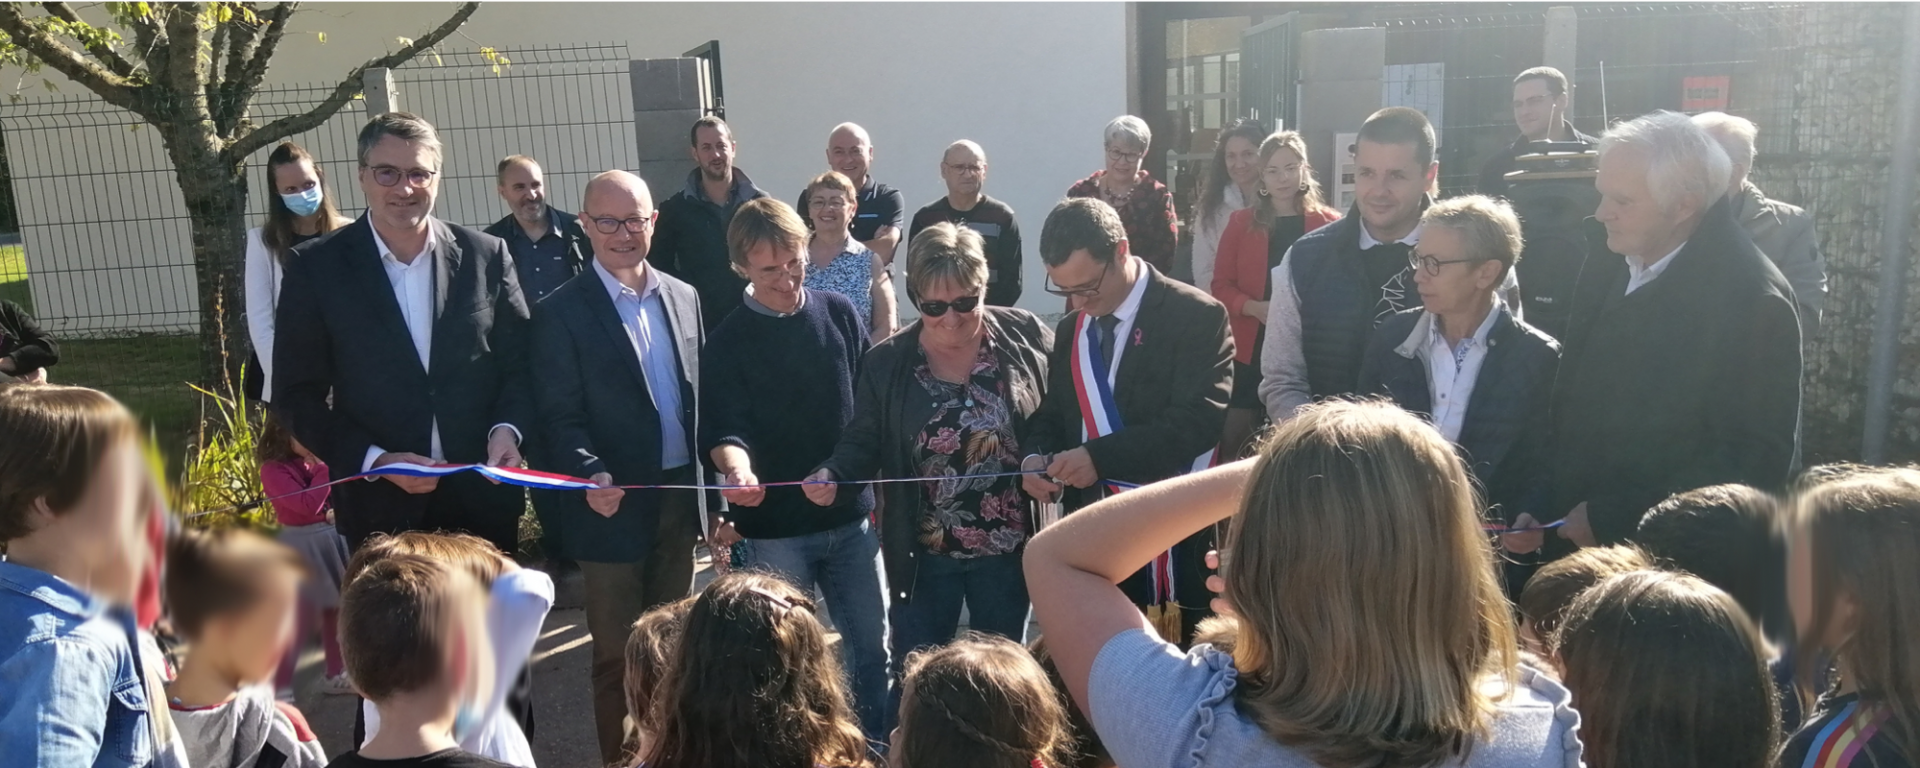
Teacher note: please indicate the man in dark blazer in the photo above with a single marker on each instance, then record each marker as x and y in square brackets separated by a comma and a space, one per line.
[402, 338]
[1682, 364]
[1169, 384]
[616, 359]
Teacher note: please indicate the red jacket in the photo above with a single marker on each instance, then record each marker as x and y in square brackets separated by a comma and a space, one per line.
[1240, 271]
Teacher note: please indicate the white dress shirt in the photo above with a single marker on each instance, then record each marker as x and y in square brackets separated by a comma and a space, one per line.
[1451, 371]
[644, 315]
[413, 290]
[1638, 276]
[1126, 312]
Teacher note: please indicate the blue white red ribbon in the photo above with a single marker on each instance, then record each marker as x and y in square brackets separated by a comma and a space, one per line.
[533, 478]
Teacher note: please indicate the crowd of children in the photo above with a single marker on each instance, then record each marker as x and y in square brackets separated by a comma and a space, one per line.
[1364, 624]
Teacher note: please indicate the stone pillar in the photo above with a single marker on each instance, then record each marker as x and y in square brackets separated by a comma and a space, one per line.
[376, 85]
[1562, 31]
[666, 101]
[1340, 73]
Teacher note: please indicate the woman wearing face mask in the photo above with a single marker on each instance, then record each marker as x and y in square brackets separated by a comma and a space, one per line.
[948, 395]
[300, 209]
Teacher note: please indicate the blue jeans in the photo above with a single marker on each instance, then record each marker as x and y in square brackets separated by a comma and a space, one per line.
[993, 588]
[845, 563]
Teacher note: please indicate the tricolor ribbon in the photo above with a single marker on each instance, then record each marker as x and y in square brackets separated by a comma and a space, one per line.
[533, 478]
[1099, 417]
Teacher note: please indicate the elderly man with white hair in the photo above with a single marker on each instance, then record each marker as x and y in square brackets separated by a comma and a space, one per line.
[1682, 362]
[1783, 232]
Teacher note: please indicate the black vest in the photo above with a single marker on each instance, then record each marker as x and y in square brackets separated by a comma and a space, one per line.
[1336, 306]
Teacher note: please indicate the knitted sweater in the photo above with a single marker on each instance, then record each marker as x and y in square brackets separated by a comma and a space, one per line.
[781, 388]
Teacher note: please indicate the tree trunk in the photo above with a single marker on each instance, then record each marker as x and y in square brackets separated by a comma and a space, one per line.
[215, 191]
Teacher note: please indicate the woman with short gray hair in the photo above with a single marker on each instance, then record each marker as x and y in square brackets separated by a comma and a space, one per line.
[1144, 204]
[948, 396]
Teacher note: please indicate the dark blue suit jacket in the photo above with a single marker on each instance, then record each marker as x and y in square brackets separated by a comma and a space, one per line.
[596, 414]
[340, 335]
[1503, 439]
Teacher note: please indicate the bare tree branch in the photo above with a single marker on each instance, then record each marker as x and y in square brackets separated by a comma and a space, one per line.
[150, 43]
[240, 37]
[114, 62]
[292, 124]
[242, 89]
[67, 61]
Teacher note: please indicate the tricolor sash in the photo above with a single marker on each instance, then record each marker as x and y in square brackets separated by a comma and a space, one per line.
[1099, 417]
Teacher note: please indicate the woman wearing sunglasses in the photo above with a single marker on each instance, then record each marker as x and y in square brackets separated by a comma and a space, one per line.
[1463, 361]
[947, 396]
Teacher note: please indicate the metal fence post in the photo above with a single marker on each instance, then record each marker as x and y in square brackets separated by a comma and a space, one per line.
[1896, 223]
[1563, 31]
[377, 85]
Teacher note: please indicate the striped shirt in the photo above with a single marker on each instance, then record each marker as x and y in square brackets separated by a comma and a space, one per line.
[1844, 733]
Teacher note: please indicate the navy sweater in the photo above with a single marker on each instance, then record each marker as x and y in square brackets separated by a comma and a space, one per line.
[782, 389]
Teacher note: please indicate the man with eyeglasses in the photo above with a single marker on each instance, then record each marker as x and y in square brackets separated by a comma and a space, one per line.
[616, 362]
[1540, 99]
[403, 339]
[1137, 387]
[881, 208]
[776, 396]
[964, 169]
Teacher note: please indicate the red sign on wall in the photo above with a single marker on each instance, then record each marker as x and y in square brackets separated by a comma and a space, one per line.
[1699, 94]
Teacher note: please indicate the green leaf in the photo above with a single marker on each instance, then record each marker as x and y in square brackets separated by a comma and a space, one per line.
[223, 13]
[48, 84]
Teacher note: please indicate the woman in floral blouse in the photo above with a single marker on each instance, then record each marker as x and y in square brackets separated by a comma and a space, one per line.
[837, 262]
[947, 397]
[1145, 205]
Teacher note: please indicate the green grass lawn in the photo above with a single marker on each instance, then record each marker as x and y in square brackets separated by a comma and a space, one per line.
[13, 276]
[149, 373]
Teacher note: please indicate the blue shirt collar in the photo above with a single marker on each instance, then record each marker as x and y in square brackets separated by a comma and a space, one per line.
[617, 289]
[52, 590]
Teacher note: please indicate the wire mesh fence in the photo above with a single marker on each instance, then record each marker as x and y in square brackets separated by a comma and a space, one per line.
[104, 254]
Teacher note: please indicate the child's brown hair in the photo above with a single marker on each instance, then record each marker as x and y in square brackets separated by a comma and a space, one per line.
[1085, 748]
[276, 438]
[980, 702]
[1554, 587]
[463, 551]
[753, 685]
[650, 647]
[1856, 535]
[217, 573]
[1667, 671]
[395, 613]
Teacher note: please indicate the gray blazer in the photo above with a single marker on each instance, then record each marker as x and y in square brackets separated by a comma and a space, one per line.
[1785, 234]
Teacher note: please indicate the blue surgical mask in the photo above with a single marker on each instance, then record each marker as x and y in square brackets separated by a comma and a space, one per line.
[303, 203]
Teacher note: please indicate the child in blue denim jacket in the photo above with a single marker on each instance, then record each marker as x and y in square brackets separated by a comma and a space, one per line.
[73, 687]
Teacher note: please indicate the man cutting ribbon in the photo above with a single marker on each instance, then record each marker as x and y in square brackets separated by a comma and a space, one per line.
[1139, 395]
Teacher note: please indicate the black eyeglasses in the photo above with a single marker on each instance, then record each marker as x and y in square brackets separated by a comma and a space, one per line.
[1432, 265]
[1084, 293]
[962, 305]
[387, 175]
[609, 225]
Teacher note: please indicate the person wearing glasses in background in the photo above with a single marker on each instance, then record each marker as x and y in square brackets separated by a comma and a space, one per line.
[1137, 390]
[616, 363]
[948, 395]
[416, 329]
[1462, 361]
[964, 169]
[1144, 204]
